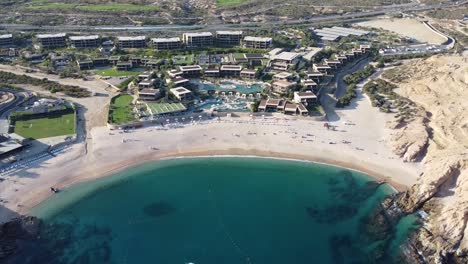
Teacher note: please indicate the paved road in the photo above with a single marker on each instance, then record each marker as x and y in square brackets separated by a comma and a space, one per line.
[217, 26]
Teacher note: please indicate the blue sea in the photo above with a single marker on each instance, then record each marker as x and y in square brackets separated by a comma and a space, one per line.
[220, 210]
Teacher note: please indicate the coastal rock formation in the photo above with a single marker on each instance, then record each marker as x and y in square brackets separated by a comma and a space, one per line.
[14, 232]
[439, 134]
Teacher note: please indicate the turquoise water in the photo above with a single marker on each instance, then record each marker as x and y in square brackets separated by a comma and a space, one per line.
[219, 210]
[244, 89]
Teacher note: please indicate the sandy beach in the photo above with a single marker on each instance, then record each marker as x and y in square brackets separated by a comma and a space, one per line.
[361, 146]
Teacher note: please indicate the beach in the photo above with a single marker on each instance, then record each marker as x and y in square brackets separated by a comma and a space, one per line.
[359, 144]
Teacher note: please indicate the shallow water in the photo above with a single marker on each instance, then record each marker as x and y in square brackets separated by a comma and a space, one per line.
[219, 210]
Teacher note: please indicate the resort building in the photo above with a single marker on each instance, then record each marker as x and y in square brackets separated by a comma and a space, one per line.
[341, 58]
[228, 38]
[85, 64]
[269, 105]
[79, 42]
[364, 48]
[6, 40]
[146, 84]
[325, 69]
[315, 75]
[166, 43]
[174, 73]
[292, 108]
[212, 73]
[357, 52]
[149, 94]
[145, 75]
[179, 81]
[350, 55]
[124, 66]
[114, 60]
[274, 52]
[100, 62]
[52, 40]
[284, 60]
[136, 42]
[307, 98]
[334, 64]
[11, 144]
[198, 39]
[182, 93]
[191, 71]
[254, 59]
[282, 76]
[248, 74]
[135, 60]
[230, 70]
[282, 87]
[309, 84]
[257, 42]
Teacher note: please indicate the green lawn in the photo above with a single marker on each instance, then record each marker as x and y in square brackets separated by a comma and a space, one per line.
[112, 72]
[225, 3]
[183, 59]
[238, 55]
[121, 110]
[46, 126]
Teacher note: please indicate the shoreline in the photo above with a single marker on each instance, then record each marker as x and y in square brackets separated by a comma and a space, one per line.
[236, 153]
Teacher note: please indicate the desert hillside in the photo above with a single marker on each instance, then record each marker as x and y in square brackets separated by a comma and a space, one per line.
[439, 135]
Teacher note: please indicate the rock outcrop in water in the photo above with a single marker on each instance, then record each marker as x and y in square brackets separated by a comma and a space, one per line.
[14, 233]
[439, 136]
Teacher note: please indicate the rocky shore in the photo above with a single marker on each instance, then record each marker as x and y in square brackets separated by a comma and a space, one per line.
[16, 233]
[438, 137]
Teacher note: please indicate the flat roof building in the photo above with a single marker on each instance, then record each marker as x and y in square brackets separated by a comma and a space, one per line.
[213, 73]
[136, 42]
[283, 76]
[84, 41]
[52, 40]
[307, 98]
[198, 39]
[182, 93]
[325, 69]
[230, 70]
[257, 42]
[149, 94]
[166, 43]
[284, 60]
[228, 38]
[85, 64]
[6, 40]
[282, 87]
[146, 84]
[124, 66]
[295, 108]
[271, 105]
[191, 70]
[248, 74]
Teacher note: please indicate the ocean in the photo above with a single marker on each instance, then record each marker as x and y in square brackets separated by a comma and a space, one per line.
[221, 210]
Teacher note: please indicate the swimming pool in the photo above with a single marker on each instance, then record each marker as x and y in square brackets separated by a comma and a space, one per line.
[227, 86]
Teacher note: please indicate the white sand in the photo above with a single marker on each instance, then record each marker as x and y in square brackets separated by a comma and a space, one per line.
[280, 136]
[406, 27]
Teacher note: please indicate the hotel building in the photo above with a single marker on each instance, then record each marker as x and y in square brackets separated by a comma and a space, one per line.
[228, 38]
[84, 41]
[257, 42]
[198, 39]
[137, 42]
[52, 40]
[166, 43]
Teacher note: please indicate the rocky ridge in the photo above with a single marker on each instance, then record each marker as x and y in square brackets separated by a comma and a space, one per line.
[438, 136]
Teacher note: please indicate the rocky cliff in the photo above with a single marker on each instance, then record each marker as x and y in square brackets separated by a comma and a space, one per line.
[438, 136]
